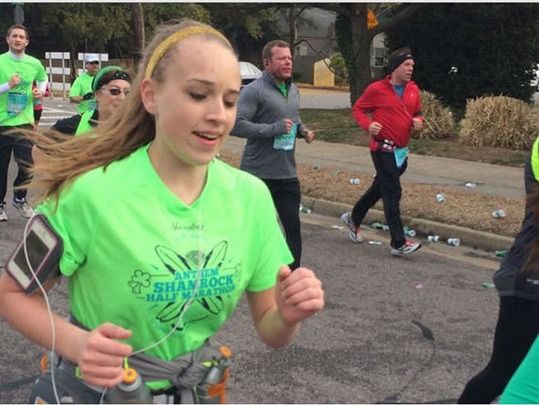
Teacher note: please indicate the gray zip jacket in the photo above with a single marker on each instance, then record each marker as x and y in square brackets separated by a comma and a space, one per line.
[261, 111]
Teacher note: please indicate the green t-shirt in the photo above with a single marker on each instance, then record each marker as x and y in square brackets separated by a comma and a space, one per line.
[283, 88]
[81, 86]
[132, 250]
[16, 104]
[85, 123]
[523, 388]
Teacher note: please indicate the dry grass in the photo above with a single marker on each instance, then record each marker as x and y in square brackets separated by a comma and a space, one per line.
[501, 122]
[439, 121]
[462, 207]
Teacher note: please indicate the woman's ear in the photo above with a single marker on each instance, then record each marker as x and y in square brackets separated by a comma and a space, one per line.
[147, 94]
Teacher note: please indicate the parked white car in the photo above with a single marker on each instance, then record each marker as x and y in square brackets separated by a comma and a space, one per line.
[248, 73]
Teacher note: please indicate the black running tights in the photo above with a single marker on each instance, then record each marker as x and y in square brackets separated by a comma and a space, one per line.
[516, 330]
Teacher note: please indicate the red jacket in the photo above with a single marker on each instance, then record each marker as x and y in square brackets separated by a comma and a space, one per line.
[384, 105]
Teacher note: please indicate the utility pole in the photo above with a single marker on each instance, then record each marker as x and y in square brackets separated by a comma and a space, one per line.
[18, 13]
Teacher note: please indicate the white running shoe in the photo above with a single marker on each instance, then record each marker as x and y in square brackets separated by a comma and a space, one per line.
[24, 209]
[410, 246]
[3, 214]
[353, 229]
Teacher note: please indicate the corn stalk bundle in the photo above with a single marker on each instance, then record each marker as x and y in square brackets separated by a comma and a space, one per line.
[439, 122]
[501, 122]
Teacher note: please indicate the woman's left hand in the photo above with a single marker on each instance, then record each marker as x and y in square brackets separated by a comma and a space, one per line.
[299, 294]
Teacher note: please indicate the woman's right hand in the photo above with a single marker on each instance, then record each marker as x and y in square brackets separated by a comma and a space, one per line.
[102, 356]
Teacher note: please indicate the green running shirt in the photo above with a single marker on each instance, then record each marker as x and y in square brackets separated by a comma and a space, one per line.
[132, 251]
[84, 123]
[81, 86]
[523, 388]
[16, 104]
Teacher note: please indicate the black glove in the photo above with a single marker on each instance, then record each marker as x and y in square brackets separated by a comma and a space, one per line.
[88, 96]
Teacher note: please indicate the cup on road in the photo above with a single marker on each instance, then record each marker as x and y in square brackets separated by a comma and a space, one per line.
[498, 214]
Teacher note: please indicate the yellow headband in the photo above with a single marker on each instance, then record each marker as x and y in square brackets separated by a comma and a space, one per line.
[174, 39]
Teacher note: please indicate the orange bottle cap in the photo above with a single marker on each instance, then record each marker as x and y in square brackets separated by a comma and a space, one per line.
[225, 351]
[130, 375]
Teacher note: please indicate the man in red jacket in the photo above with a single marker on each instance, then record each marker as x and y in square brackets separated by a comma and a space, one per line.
[389, 110]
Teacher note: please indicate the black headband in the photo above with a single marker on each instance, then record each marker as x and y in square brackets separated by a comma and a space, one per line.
[101, 78]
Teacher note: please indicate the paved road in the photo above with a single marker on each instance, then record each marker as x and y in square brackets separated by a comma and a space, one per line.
[489, 179]
[324, 99]
[54, 110]
[408, 330]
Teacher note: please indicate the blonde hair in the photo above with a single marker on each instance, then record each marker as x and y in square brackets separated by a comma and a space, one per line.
[128, 129]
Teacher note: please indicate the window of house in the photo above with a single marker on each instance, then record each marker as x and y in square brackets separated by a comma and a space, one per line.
[301, 49]
[379, 57]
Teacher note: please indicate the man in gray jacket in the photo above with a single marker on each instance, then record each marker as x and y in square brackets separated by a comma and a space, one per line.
[268, 116]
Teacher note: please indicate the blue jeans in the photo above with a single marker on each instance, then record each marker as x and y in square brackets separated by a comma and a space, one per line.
[516, 330]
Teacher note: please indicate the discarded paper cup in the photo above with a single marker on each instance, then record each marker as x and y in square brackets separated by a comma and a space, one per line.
[305, 210]
[409, 231]
[379, 225]
[500, 253]
[375, 242]
[498, 214]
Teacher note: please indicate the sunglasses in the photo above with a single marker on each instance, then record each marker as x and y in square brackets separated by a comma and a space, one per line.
[114, 91]
[95, 62]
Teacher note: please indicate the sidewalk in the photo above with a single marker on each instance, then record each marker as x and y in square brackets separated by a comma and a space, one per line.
[490, 179]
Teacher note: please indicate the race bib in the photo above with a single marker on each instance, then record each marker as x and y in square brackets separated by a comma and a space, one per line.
[400, 156]
[286, 141]
[16, 103]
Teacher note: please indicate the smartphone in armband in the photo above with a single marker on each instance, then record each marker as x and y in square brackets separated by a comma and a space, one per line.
[44, 247]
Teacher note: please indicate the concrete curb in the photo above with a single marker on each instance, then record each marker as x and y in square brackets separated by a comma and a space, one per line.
[468, 237]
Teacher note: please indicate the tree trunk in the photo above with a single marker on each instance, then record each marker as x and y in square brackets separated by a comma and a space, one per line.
[293, 37]
[137, 14]
[360, 75]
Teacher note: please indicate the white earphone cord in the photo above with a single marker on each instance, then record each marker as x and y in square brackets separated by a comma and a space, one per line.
[49, 310]
[51, 316]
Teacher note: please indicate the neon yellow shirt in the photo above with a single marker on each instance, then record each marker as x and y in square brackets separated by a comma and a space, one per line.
[84, 124]
[16, 105]
[134, 252]
[81, 86]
